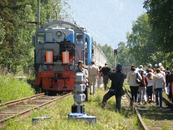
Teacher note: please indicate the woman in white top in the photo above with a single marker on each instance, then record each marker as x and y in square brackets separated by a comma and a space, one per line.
[134, 86]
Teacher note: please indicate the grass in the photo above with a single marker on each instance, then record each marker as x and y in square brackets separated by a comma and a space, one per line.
[107, 119]
[12, 89]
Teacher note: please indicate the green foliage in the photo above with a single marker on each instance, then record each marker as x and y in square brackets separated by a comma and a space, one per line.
[161, 18]
[142, 42]
[12, 89]
[124, 56]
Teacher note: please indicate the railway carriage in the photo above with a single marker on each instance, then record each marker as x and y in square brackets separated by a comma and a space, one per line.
[59, 45]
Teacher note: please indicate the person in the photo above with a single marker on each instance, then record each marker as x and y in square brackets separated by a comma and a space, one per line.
[100, 78]
[117, 79]
[162, 71]
[170, 82]
[142, 88]
[134, 86]
[105, 70]
[85, 72]
[158, 85]
[149, 79]
[93, 73]
[141, 68]
[167, 71]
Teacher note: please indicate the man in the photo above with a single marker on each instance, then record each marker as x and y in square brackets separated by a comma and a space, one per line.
[116, 89]
[105, 70]
[85, 72]
[93, 73]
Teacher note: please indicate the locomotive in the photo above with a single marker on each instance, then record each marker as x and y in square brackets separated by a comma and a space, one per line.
[59, 45]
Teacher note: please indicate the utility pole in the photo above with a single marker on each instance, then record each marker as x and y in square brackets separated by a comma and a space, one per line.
[38, 14]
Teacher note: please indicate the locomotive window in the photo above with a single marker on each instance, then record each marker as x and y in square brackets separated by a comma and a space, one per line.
[40, 38]
[79, 38]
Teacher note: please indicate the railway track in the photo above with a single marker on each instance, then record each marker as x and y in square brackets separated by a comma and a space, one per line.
[22, 107]
[152, 118]
[156, 118]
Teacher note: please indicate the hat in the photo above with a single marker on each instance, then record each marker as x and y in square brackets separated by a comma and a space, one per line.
[162, 68]
[119, 67]
[80, 62]
[140, 66]
[149, 65]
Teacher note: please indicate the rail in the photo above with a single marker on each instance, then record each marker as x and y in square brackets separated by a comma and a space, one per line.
[18, 108]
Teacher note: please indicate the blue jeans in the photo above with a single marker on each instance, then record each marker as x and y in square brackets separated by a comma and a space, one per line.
[158, 92]
[142, 94]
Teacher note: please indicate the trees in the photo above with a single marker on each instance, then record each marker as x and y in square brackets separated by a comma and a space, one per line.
[124, 56]
[161, 19]
[108, 51]
[142, 42]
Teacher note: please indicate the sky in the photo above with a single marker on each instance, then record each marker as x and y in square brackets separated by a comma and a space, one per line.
[107, 21]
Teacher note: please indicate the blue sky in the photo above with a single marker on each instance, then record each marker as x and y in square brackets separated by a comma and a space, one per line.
[107, 21]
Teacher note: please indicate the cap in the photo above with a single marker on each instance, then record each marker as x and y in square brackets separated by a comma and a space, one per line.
[80, 62]
[119, 67]
[149, 65]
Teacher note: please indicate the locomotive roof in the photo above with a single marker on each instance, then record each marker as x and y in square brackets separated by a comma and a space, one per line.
[63, 24]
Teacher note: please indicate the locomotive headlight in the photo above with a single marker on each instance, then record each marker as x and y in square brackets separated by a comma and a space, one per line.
[59, 33]
[72, 67]
[44, 67]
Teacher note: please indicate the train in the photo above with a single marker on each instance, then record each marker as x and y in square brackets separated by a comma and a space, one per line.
[59, 45]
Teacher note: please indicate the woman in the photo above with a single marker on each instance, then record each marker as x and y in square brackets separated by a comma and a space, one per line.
[158, 85]
[149, 79]
[142, 88]
[134, 86]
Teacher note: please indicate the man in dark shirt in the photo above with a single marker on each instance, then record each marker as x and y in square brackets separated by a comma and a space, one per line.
[116, 89]
[105, 70]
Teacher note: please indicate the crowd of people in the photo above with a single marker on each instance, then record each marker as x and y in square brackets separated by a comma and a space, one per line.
[97, 76]
[145, 85]
[153, 81]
